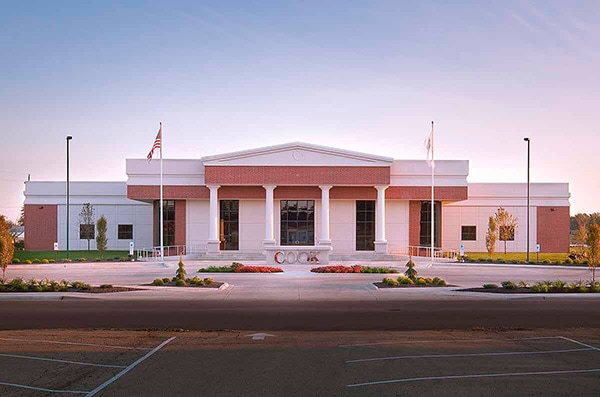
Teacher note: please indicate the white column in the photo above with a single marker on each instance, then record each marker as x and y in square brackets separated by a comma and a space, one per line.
[380, 240]
[269, 215]
[325, 239]
[213, 243]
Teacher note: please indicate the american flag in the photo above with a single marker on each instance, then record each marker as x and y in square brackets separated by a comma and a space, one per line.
[157, 143]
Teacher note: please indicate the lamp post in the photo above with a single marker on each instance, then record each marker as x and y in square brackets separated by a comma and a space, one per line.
[528, 187]
[68, 140]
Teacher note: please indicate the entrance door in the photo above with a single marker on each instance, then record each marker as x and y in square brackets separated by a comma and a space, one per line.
[229, 225]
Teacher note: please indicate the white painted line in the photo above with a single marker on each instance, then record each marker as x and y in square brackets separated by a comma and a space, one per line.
[59, 361]
[450, 340]
[259, 336]
[42, 389]
[382, 382]
[580, 343]
[75, 343]
[129, 368]
[364, 360]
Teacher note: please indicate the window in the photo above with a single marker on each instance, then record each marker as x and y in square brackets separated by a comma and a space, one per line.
[365, 225]
[125, 232]
[425, 235]
[229, 225]
[169, 222]
[297, 222]
[506, 233]
[87, 232]
[468, 233]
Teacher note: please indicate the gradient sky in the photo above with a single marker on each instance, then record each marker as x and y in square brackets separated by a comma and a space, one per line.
[359, 75]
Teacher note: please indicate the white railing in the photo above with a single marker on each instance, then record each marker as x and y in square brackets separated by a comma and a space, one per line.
[153, 253]
[425, 252]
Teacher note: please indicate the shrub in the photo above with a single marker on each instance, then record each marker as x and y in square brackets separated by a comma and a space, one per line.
[558, 285]
[51, 261]
[235, 265]
[166, 280]
[36, 260]
[106, 286]
[428, 280]
[180, 273]
[509, 285]
[158, 281]
[67, 260]
[258, 269]
[16, 260]
[27, 261]
[420, 281]
[208, 281]
[374, 269]
[568, 261]
[489, 260]
[216, 269]
[17, 284]
[523, 284]
[490, 286]
[179, 282]
[45, 261]
[577, 262]
[500, 260]
[80, 285]
[442, 283]
[404, 280]
[410, 272]
[482, 260]
[540, 287]
[390, 281]
[546, 261]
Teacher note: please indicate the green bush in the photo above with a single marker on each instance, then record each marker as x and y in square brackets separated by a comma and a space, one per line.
[36, 260]
[404, 280]
[374, 269]
[82, 260]
[166, 280]
[51, 261]
[235, 265]
[390, 281]
[106, 286]
[500, 260]
[420, 281]
[208, 281]
[540, 287]
[68, 260]
[28, 262]
[45, 261]
[523, 284]
[489, 260]
[158, 281]
[509, 285]
[568, 261]
[179, 282]
[180, 273]
[428, 280]
[80, 285]
[558, 285]
[490, 286]
[440, 282]
[16, 260]
[17, 284]
[411, 272]
[547, 261]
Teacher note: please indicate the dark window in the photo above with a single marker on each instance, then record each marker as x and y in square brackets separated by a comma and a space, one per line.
[229, 225]
[425, 235]
[468, 233]
[297, 222]
[125, 232]
[169, 222]
[506, 233]
[87, 232]
[365, 225]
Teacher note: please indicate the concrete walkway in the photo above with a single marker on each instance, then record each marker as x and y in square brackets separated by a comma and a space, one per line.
[296, 283]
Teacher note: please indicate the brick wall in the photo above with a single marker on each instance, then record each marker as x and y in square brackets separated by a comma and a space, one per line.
[553, 228]
[180, 222]
[414, 223]
[148, 192]
[40, 227]
[444, 193]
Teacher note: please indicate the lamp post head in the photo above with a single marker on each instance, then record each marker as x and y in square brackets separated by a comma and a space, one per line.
[526, 139]
[69, 137]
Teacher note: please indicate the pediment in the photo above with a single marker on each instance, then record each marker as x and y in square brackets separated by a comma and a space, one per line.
[297, 154]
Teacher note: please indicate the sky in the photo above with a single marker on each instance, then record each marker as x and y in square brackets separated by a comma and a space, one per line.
[368, 76]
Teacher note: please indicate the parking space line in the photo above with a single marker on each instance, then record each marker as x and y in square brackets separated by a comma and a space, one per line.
[128, 368]
[492, 375]
[451, 340]
[75, 344]
[42, 389]
[364, 360]
[580, 343]
[59, 361]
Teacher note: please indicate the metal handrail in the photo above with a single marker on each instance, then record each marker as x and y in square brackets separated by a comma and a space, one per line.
[425, 252]
[153, 253]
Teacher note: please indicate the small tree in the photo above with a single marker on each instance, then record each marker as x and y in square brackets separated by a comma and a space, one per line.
[180, 274]
[580, 240]
[491, 236]
[21, 218]
[101, 237]
[593, 242]
[7, 247]
[410, 272]
[507, 225]
[86, 219]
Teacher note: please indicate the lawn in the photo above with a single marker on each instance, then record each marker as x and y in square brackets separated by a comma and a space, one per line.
[518, 256]
[61, 255]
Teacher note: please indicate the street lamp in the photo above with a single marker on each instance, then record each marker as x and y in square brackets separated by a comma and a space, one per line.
[68, 140]
[528, 187]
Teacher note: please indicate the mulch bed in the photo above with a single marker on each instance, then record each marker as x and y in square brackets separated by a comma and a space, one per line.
[527, 290]
[384, 285]
[98, 290]
[214, 284]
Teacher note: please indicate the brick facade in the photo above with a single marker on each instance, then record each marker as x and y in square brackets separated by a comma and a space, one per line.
[41, 228]
[442, 193]
[151, 192]
[296, 175]
[180, 222]
[553, 227]
[414, 223]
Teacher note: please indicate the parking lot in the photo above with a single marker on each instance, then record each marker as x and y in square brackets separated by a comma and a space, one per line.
[144, 363]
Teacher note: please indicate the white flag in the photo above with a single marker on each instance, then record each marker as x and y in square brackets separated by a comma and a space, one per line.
[429, 147]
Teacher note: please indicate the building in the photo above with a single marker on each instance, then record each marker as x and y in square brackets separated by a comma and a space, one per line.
[297, 198]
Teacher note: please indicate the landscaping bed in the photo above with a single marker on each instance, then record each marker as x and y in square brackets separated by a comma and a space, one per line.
[545, 287]
[353, 269]
[45, 285]
[405, 282]
[520, 258]
[181, 280]
[237, 267]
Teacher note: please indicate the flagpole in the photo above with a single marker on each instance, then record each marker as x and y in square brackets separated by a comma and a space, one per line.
[432, 196]
[162, 212]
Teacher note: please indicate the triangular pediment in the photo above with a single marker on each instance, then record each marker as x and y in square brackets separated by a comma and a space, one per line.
[297, 154]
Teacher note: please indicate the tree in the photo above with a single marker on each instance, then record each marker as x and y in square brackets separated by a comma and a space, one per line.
[593, 242]
[12, 230]
[410, 272]
[507, 225]
[491, 236]
[7, 247]
[580, 240]
[86, 222]
[21, 218]
[101, 237]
